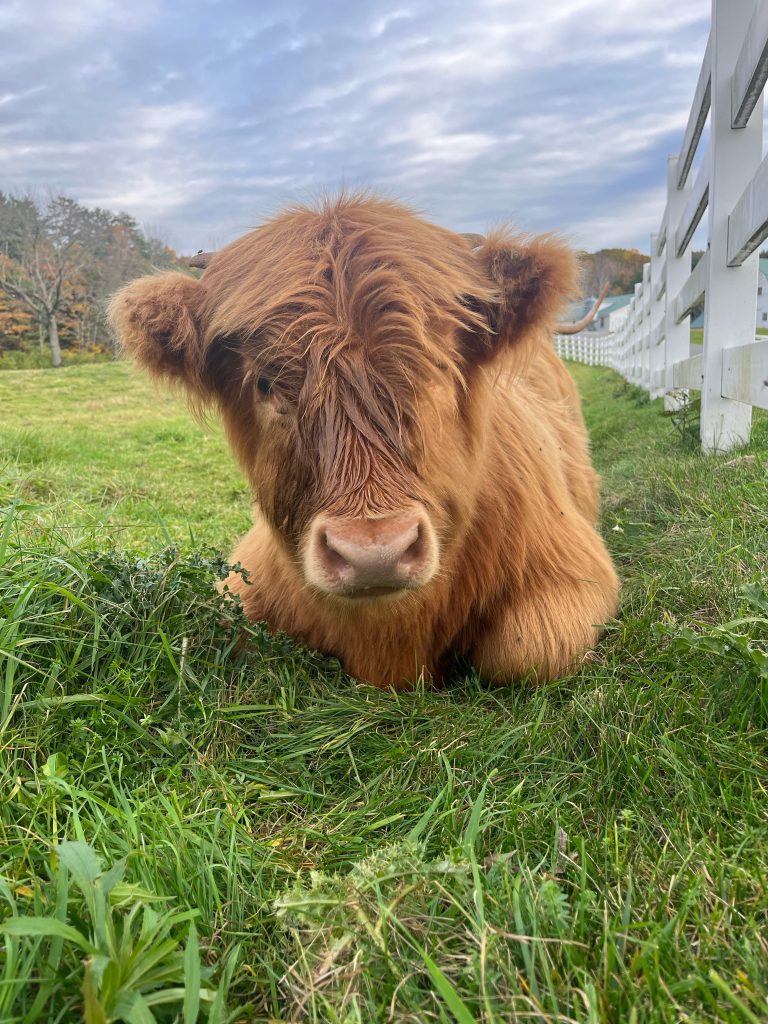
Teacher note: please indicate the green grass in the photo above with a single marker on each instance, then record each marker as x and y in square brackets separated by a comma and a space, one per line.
[190, 831]
[34, 358]
[110, 459]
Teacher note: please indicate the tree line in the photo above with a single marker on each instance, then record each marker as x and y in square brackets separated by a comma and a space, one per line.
[59, 263]
[621, 269]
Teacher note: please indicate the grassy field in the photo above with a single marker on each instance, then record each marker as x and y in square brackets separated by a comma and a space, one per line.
[189, 832]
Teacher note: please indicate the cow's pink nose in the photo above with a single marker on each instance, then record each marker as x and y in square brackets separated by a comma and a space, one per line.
[371, 557]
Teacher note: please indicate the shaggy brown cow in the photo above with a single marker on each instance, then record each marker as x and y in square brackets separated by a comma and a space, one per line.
[415, 447]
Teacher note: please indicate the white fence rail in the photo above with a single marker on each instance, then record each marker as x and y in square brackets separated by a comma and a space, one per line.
[653, 349]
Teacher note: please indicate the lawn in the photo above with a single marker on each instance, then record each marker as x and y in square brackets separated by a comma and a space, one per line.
[189, 831]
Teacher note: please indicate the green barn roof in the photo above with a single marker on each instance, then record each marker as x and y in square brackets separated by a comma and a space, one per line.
[615, 302]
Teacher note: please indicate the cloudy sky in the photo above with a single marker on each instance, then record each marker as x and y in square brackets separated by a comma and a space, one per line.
[200, 118]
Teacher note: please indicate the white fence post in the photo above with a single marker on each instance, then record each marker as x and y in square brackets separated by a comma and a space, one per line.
[656, 349]
[729, 317]
[648, 305]
[642, 327]
[645, 359]
[677, 344]
[637, 334]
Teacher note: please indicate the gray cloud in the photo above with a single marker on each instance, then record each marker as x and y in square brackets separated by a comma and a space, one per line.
[203, 118]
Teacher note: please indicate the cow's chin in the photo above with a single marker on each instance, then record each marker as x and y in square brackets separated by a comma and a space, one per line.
[371, 560]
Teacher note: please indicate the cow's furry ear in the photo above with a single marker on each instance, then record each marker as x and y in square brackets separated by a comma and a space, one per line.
[157, 321]
[534, 277]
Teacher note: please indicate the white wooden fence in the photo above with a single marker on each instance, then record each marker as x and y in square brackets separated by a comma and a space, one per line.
[653, 349]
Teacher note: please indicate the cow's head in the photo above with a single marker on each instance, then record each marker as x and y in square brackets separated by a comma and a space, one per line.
[352, 351]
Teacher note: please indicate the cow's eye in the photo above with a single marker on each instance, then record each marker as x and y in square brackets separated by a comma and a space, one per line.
[264, 385]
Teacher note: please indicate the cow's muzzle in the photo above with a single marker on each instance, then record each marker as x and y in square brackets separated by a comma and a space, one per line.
[364, 558]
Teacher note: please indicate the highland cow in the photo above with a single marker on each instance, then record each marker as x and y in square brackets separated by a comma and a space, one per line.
[416, 451]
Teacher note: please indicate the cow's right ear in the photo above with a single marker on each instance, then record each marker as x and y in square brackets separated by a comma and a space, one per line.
[157, 320]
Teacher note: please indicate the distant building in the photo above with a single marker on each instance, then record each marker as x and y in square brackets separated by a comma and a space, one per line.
[613, 313]
[576, 310]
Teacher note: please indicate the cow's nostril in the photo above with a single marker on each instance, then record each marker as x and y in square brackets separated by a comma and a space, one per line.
[414, 553]
[334, 560]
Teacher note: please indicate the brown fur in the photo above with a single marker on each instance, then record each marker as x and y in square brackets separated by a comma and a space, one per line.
[364, 360]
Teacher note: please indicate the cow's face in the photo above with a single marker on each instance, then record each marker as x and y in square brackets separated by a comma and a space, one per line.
[349, 351]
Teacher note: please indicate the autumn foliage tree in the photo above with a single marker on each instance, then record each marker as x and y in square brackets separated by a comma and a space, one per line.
[59, 262]
[16, 321]
[621, 268]
[46, 261]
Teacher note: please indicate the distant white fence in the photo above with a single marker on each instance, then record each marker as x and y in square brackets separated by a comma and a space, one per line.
[588, 347]
[653, 349]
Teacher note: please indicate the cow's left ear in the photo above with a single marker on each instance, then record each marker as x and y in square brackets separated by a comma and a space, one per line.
[533, 278]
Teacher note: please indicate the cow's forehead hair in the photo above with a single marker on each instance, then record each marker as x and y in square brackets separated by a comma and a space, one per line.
[354, 272]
